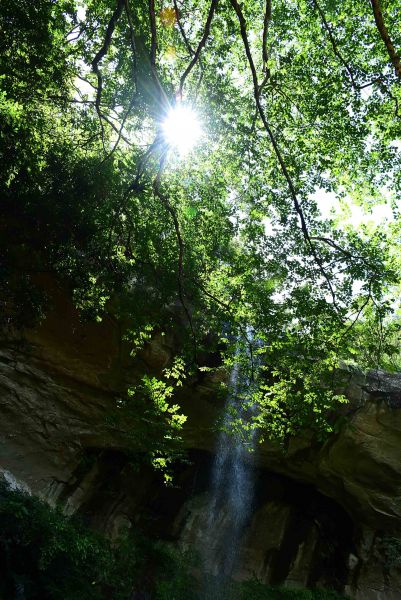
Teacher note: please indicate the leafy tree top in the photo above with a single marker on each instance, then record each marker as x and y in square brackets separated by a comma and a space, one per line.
[299, 104]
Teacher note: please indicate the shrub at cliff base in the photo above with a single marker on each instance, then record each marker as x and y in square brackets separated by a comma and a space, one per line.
[48, 556]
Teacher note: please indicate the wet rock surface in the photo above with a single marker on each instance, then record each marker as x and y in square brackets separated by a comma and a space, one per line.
[323, 514]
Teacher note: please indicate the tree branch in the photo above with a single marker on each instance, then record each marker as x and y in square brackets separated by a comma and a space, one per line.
[345, 252]
[153, 46]
[394, 56]
[358, 314]
[99, 56]
[118, 130]
[201, 45]
[134, 187]
[188, 46]
[153, 51]
[277, 150]
[334, 45]
[181, 248]
[226, 307]
[104, 49]
[132, 38]
[266, 23]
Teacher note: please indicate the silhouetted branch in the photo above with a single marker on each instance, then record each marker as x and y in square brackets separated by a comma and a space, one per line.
[345, 252]
[358, 314]
[104, 49]
[118, 130]
[206, 33]
[227, 308]
[266, 23]
[153, 50]
[341, 58]
[133, 99]
[188, 46]
[86, 81]
[334, 45]
[100, 55]
[134, 187]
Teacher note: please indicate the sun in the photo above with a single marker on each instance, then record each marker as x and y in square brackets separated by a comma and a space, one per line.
[181, 129]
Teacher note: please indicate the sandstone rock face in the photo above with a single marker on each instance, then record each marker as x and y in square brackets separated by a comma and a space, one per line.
[360, 467]
[294, 535]
[324, 514]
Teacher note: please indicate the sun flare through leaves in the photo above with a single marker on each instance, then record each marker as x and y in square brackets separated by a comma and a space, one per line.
[182, 129]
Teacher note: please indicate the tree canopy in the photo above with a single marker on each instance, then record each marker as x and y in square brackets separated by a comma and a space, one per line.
[251, 237]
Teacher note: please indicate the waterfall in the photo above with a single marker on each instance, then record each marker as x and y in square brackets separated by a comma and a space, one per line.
[232, 481]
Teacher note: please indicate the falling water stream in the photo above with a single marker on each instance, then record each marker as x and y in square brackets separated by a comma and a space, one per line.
[232, 484]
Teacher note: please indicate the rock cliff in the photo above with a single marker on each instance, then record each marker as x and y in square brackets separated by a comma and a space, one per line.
[324, 514]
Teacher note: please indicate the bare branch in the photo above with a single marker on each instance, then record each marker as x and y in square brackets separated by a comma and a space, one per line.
[188, 46]
[377, 80]
[85, 80]
[380, 82]
[70, 100]
[384, 34]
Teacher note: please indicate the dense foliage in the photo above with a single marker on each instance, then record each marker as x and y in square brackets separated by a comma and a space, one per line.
[46, 555]
[299, 104]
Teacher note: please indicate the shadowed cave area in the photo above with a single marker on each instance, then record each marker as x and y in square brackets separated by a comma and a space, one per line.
[294, 535]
